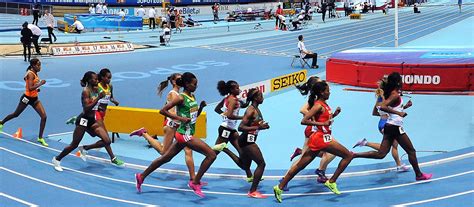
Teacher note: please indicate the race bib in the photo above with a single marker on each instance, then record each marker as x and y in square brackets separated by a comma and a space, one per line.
[225, 134]
[402, 131]
[25, 100]
[105, 99]
[194, 116]
[327, 138]
[250, 138]
[83, 122]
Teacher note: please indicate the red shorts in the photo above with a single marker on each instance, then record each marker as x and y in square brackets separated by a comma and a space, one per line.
[308, 131]
[170, 123]
[182, 138]
[319, 141]
[99, 115]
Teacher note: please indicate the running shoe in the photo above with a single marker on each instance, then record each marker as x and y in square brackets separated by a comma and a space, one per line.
[41, 140]
[424, 176]
[250, 179]
[256, 194]
[277, 192]
[71, 120]
[82, 153]
[1, 128]
[361, 143]
[57, 165]
[285, 188]
[321, 176]
[196, 188]
[138, 132]
[117, 162]
[296, 153]
[138, 182]
[332, 187]
[403, 168]
[219, 147]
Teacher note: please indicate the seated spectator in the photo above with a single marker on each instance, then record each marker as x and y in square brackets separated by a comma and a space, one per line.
[165, 34]
[415, 9]
[76, 26]
[306, 54]
[298, 20]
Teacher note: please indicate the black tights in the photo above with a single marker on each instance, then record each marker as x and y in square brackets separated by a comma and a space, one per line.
[25, 47]
[252, 153]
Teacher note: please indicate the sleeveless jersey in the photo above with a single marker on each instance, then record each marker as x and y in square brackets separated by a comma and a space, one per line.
[28, 92]
[256, 122]
[395, 119]
[188, 109]
[92, 95]
[167, 101]
[229, 123]
[108, 93]
[326, 115]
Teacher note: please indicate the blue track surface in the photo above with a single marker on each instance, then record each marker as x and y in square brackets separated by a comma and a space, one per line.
[441, 123]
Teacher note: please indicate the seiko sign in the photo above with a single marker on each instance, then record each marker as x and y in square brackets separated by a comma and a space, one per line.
[421, 79]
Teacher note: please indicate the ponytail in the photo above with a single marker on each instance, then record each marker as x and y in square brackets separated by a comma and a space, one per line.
[164, 84]
[86, 78]
[250, 97]
[225, 88]
[316, 91]
[306, 87]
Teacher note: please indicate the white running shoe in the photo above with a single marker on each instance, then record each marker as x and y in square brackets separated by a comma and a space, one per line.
[57, 165]
[82, 153]
[403, 168]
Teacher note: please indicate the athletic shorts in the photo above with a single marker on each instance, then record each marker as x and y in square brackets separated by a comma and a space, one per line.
[28, 100]
[99, 115]
[393, 130]
[85, 121]
[246, 139]
[182, 138]
[309, 130]
[225, 132]
[170, 123]
[382, 123]
[319, 141]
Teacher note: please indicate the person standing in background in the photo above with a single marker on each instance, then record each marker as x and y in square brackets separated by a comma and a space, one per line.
[278, 12]
[49, 21]
[36, 14]
[91, 9]
[151, 17]
[25, 39]
[104, 9]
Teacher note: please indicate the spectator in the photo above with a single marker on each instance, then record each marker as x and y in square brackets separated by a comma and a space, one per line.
[459, 5]
[165, 34]
[91, 9]
[104, 9]
[323, 10]
[190, 22]
[346, 7]
[76, 26]
[35, 37]
[121, 13]
[98, 8]
[306, 54]
[298, 20]
[36, 14]
[415, 9]
[49, 21]
[25, 39]
[141, 12]
[278, 12]
[373, 5]
[151, 17]
[282, 22]
[215, 12]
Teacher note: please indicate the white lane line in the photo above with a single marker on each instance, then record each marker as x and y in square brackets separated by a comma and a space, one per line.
[59, 134]
[18, 200]
[270, 177]
[433, 199]
[75, 190]
[239, 194]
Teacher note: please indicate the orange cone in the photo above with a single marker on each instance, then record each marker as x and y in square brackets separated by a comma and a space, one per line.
[18, 134]
[78, 153]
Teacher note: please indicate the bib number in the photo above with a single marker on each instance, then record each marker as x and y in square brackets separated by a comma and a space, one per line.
[225, 134]
[401, 130]
[25, 100]
[327, 138]
[194, 116]
[83, 122]
[250, 138]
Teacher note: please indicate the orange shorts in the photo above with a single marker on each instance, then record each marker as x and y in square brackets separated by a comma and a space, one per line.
[319, 141]
[99, 115]
[182, 138]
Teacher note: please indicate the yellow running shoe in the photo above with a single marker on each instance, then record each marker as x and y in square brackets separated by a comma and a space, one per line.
[277, 191]
[332, 187]
[41, 140]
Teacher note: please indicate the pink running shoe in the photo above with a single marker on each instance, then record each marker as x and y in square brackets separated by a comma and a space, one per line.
[196, 188]
[424, 176]
[138, 132]
[361, 143]
[138, 182]
[296, 153]
[256, 194]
